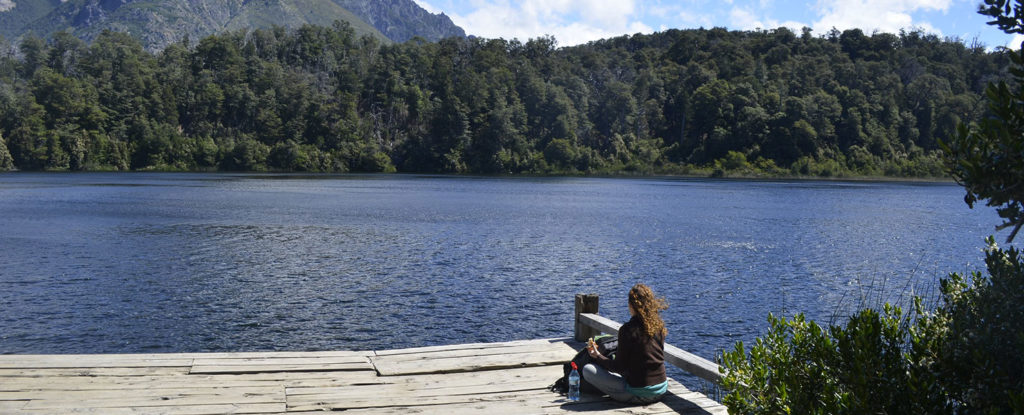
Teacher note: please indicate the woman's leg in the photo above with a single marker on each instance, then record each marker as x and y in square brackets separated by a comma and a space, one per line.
[610, 383]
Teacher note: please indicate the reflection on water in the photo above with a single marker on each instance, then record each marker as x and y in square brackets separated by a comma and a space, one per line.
[104, 263]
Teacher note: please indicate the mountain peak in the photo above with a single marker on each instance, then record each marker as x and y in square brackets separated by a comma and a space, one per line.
[158, 23]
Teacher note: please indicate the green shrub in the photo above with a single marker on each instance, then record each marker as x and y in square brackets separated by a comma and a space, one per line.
[975, 339]
[962, 357]
[801, 368]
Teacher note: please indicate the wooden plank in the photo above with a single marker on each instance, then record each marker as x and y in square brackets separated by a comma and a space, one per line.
[170, 356]
[696, 365]
[604, 324]
[11, 406]
[287, 379]
[85, 361]
[100, 371]
[265, 368]
[544, 375]
[281, 364]
[208, 409]
[389, 392]
[434, 389]
[545, 405]
[448, 384]
[177, 397]
[302, 404]
[65, 395]
[465, 346]
[461, 364]
[470, 353]
[249, 361]
[523, 407]
[522, 402]
[261, 355]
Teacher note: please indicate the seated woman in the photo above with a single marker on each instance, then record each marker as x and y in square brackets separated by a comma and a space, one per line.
[637, 374]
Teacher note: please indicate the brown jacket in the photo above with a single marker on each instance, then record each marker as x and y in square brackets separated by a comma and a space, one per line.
[640, 359]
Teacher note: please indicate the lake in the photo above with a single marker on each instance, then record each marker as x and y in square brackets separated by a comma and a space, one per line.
[160, 262]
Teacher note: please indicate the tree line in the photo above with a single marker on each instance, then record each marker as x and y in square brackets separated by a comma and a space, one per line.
[322, 99]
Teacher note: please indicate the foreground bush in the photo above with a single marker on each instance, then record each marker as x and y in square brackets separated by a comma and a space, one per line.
[963, 357]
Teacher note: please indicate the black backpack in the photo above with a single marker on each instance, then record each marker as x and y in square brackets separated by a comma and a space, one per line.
[606, 344]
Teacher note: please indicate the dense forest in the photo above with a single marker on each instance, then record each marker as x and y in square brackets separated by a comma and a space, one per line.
[322, 99]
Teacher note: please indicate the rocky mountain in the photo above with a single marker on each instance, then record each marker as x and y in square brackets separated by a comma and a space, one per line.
[15, 15]
[401, 20]
[158, 23]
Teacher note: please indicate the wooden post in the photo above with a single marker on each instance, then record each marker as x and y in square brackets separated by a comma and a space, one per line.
[585, 303]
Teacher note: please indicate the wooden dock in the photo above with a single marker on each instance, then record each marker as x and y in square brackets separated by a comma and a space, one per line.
[492, 378]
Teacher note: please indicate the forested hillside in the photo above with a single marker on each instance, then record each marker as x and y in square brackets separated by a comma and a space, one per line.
[322, 99]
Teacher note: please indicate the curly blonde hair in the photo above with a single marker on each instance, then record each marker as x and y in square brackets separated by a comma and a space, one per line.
[648, 308]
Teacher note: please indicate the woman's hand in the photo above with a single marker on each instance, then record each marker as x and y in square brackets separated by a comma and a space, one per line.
[592, 350]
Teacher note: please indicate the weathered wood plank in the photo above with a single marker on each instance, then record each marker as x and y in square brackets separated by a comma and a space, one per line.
[108, 371]
[252, 361]
[68, 395]
[461, 364]
[281, 364]
[304, 404]
[698, 366]
[177, 397]
[468, 346]
[523, 407]
[261, 355]
[85, 361]
[388, 393]
[261, 368]
[546, 375]
[210, 409]
[471, 353]
[447, 384]
[521, 402]
[287, 379]
[169, 356]
[11, 406]
[604, 324]
[547, 404]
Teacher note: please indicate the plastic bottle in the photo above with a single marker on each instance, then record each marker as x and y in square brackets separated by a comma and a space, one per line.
[574, 384]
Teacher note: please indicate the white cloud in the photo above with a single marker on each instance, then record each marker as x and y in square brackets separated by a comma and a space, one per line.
[743, 19]
[570, 22]
[6, 5]
[695, 20]
[613, 13]
[1015, 42]
[870, 15]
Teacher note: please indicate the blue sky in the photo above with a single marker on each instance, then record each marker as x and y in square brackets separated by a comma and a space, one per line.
[573, 22]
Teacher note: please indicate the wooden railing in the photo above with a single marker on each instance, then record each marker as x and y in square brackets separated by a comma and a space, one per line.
[588, 324]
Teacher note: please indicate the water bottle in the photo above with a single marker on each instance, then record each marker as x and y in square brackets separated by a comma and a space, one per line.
[574, 384]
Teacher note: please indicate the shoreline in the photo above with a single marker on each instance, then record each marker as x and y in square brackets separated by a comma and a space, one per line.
[627, 175]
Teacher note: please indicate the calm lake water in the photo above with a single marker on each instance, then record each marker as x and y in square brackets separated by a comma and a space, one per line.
[124, 263]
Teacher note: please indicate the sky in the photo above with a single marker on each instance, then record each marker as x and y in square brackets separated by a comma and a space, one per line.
[574, 22]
